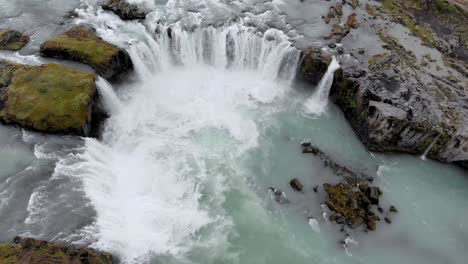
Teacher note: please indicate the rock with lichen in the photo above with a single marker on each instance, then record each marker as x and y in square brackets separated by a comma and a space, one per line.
[49, 98]
[81, 44]
[12, 40]
[28, 250]
[124, 10]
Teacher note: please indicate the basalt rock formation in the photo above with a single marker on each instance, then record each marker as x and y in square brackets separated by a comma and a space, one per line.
[12, 40]
[408, 90]
[49, 98]
[81, 44]
[28, 250]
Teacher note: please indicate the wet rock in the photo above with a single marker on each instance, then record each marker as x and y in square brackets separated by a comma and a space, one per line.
[28, 250]
[81, 44]
[351, 206]
[49, 98]
[316, 188]
[335, 12]
[314, 64]
[393, 209]
[12, 40]
[124, 10]
[310, 150]
[296, 185]
[352, 21]
[373, 193]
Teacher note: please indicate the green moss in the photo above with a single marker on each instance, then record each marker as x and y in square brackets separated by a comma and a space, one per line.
[81, 44]
[28, 250]
[12, 40]
[49, 98]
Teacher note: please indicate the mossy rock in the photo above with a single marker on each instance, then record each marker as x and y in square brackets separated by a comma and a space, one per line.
[12, 40]
[314, 65]
[49, 98]
[28, 250]
[81, 44]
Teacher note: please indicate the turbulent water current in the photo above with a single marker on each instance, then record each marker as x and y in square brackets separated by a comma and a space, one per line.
[211, 118]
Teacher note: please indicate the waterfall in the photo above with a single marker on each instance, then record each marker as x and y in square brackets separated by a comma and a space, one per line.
[108, 95]
[424, 156]
[317, 103]
[196, 86]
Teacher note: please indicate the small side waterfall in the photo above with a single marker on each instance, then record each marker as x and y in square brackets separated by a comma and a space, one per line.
[109, 97]
[424, 156]
[317, 103]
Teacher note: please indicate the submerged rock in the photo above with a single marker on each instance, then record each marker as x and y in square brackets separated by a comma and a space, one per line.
[81, 44]
[49, 98]
[124, 10]
[296, 185]
[28, 250]
[12, 40]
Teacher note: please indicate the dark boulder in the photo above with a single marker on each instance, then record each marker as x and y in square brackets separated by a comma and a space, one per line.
[28, 250]
[296, 185]
[313, 66]
[124, 10]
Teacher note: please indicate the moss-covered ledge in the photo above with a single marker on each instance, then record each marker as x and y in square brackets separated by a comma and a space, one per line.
[81, 44]
[28, 250]
[12, 40]
[50, 98]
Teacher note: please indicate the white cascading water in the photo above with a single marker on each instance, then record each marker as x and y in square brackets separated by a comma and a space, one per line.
[424, 156]
[178, 133]
[318, 102]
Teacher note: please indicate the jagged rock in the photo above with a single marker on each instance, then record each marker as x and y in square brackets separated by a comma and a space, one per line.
[296, 185]
[28, 250]
[335, 12]
[352, 21]
[393, 209]
[49, 98]
[12, 40]
[351, 206]
[81, 44]
[314, 64]
[124, 10]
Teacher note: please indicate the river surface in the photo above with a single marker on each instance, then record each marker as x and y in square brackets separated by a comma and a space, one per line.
[210, 119]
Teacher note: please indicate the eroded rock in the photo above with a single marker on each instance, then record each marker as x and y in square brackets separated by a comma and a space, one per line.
[81, 44]
[314, 65]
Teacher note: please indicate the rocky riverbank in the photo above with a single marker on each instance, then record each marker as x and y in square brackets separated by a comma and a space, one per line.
[28, 250]
[405, 88]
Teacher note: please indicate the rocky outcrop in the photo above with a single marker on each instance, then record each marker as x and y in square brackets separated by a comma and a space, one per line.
[314, 64]
[28, 250]
[49, 98]
[81, 44]
[396, 98]
[124, 10]
[393, 110]
[12, 40]
[354, 201]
